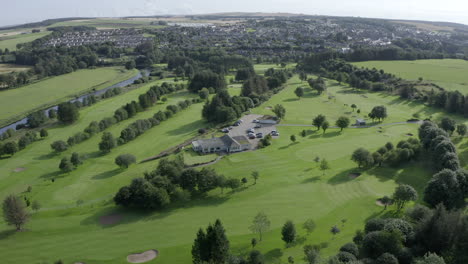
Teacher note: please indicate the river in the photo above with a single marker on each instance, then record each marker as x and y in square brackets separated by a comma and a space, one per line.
[97, 93]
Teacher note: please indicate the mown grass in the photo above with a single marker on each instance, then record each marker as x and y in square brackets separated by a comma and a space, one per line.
[451, 74]
[17, 103]
[10, 42]
[290, 187]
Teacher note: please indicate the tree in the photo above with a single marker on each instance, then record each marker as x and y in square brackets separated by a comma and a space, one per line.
[288, 232]
[403, 194]
[343, 122]
[125, 160]
[362, 157]
[335, 230]
[318, 121]
[253, 242]
[256, 257]
[76, 159]
[260, 224]
[309, 225]
[311, 254]
[10, 148]
[430, 258]
[445, 187]
[204, 93]
[36, 205]
[303, 76]
[324, 165]
[52, 113]
[293, 138]
[14, 212]
[318, 85]
[378, 112]
[59, 146]
[43, 133]
[350, 248]
[65, 165]
[386, 258]
[255, 176]
[244, 181]
[130, 65]
[461, 130]
[199, 248]
[299, 92]
[107, 142]
[386, 201]
[67, 112]
[448, 124]
[36, 119]
[325, 126]
[279, 111]
[353, 106]
[217, 243]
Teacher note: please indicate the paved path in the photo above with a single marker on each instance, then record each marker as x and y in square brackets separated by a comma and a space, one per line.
[378, 125]
[208, 163]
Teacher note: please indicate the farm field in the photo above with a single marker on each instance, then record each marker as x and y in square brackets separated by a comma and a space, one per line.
[11, 41]
[19, 102]
[451, 74]
[7, 68]
[290, 187]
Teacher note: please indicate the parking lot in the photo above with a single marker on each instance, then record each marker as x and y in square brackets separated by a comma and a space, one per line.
[248, 123]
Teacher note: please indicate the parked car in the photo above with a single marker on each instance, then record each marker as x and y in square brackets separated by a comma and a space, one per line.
[259, 135]
[252, 136]
[237, 123]
[225, 130]
[275, 133]
[255, 121]
[250, 130]
[258, 126]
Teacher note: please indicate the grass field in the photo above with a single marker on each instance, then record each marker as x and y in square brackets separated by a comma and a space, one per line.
[17, 103]
[451, 74]
[11, 41]
[290, 187]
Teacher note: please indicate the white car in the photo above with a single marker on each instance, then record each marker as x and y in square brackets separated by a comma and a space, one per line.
[275, 133]
[255, 121]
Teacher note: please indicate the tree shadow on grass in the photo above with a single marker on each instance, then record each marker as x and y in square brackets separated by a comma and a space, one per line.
[52, 175]
[93, 155]
[290, 100]
[187, 128]
[7, 233]
[47, 156]
[343, 176]
[312, 179]
[107, 174]
[289, 145]
[274, 254]
[325, 135]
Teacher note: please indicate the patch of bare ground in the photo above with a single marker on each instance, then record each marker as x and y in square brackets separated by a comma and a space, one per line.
[354, 175]
[143, 257]
[111, 219]
[19, 169]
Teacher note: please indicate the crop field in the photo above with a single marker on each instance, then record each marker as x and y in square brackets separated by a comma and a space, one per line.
[7, 68]
[450, 74]
[11, 41]
[291, 186]
[19, 102]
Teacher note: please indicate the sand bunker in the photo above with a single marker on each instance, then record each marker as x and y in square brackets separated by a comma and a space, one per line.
[268, 107]
[111, 219]
[354, 175]
[19, 169]
[143, 257]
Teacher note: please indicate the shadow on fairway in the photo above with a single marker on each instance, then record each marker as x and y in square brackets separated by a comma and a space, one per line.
[343, 176]
[187, 128]
[326, 135]
[53, 175]
[290, 144]
[273, 254]
[6, 233]
[313, 179]
[47, 156]
[107, 174]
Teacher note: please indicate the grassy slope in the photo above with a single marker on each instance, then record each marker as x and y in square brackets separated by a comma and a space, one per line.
[451, 74]
[10, 42]
[290, 187]
[15, 103]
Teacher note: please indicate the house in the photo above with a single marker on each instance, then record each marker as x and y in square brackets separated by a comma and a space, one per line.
[225, 143]
[360, 122]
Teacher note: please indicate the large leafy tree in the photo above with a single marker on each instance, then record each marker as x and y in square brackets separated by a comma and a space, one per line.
[279, 111]
[14, 212]
[403, 194]
[67, 112]
[343, 122]
[362, 157]
[288, 232]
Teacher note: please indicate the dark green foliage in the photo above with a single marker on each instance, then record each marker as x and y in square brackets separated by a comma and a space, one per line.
[65, 165]
[386, 258]
[76, 159]
[67, 113]
[299, 92]
[10, 148]
[374, 224]
[206, 79]
[318, 84]
[204, 93]
[59, 146]
[255, 257]
[265, 142]
[224, 108]
[107, 142]
[345, 257]
[27, 139]
[350, 248]
[403, 194]
[279, 111]
[36, 119]
[444, 187]
[448, 124]
[244, 74]
[311, 254]
[211, 246]
[461, 129]
[318, 121]
[288, 232]
[343, 122]
[43, 133]
[431, 258]
[378, 242]
[362, 157]
[378, 112]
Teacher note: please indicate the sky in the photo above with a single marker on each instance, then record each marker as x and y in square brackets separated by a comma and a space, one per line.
[24, 11]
